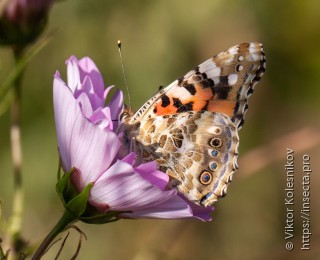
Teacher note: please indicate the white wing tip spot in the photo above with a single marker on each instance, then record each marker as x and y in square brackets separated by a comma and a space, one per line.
[232, 79]
[252, 45]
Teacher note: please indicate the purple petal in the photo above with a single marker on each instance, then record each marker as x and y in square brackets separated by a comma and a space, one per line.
[88, 67]
[165, 212]
[116, 105]
[102, 117]
[130, 158]
[149, 172]
[73, 73]
[85, 105]
[174, 208]
[88, 87]
[107, 90]
[81, 144]
[125, 190]
[202, 213]
[64, 108]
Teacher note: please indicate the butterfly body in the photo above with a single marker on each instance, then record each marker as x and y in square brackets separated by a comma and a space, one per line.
[191, 127]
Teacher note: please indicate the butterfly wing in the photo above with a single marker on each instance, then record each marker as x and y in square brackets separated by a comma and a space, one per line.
[220, 84]
[199, 149]
[191, 126]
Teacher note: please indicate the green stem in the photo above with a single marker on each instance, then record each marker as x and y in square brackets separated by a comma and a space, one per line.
[65, 220]
[15, 222]
[2, 255]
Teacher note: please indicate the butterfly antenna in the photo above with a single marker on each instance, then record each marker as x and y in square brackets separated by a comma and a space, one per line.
[124, 74]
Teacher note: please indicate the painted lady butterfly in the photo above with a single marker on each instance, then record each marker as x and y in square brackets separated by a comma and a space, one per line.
[191, 127]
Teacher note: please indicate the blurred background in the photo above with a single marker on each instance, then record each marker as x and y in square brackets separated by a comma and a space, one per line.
[162, 40]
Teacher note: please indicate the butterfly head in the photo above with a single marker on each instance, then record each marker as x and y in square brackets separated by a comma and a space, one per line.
[126, 114]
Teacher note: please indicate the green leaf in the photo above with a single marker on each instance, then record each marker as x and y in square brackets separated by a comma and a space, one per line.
[77, 206]
[77, 203]
[63, 183]
[101, 218]
[59, 171]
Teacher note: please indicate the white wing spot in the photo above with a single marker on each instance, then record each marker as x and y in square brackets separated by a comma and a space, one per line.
[252, 48]
[253, 57]
[232, 79]
[182, 93]
[234, 50]
[215, 72]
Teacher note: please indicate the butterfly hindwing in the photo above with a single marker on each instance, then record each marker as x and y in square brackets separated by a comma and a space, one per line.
[198, 149]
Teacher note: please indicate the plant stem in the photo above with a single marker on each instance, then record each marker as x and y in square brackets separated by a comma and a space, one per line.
[2, 255]
[65, 220]
[15, 222]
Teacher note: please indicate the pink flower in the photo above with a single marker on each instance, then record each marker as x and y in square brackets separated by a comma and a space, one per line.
[89, 140]
[23, 20]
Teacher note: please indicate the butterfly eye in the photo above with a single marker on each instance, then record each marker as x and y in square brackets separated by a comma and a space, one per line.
[216, 142]
[205, 178]
[213, 166]
[123, 115]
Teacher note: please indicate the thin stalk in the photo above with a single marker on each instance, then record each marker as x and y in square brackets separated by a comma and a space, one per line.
[2, 255]
[15, 222]
[65, 220]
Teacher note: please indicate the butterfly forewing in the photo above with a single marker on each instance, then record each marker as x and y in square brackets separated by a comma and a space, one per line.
[220, 84]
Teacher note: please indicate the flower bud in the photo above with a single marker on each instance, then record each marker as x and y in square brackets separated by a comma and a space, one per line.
[22, 21]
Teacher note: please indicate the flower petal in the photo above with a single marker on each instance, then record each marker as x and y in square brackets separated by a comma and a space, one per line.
[102, 117]
[174, 208]
[85, 105]
[149, 172]
[130, 158]
[202, 213]
[123, 189]
[116, 106]
[65, 107]
[73, 73]
[81, 144]
[88, 67]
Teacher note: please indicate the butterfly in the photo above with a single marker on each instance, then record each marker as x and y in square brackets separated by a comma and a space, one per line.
[191, 126]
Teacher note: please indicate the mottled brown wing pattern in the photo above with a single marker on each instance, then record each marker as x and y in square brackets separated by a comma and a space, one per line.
[191, 127]
[197, 149]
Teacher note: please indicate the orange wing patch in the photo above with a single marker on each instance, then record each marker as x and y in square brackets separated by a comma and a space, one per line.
[225, 107]
[171, 103]
[197, 96]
